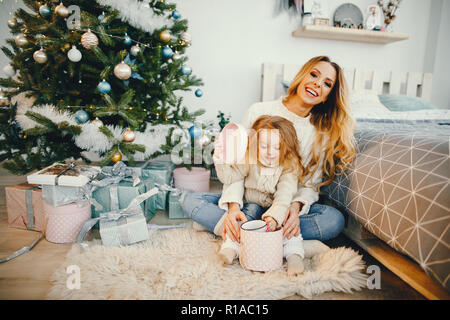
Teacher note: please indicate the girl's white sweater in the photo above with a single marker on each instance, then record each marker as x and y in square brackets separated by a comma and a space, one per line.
[306, 134]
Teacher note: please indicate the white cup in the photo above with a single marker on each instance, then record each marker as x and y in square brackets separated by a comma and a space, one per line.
[254, 225]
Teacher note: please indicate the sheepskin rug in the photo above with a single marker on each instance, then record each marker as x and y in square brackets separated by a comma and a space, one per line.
[183, 264]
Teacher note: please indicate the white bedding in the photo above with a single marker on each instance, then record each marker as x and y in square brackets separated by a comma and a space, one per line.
[429, 114]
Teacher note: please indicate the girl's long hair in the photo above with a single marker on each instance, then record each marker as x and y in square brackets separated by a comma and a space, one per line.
[335, 126]
[289, 156]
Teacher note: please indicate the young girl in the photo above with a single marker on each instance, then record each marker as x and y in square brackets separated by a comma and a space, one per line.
[269, 174]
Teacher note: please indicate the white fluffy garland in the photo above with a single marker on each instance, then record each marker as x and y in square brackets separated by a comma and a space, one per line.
[138, 14]
[92, 139]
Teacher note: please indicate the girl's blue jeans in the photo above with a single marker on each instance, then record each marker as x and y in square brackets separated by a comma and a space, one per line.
[321, 223]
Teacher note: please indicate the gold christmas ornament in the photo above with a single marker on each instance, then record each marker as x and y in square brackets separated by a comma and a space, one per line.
[12, 22]
[117, 157]
[21, 40]
[129, 135]
[40, 56]
[122, 71]
[88, 39]
[62, 11]
[165, 36]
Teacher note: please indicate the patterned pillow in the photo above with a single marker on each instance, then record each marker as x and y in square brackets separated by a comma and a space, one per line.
[404, 103]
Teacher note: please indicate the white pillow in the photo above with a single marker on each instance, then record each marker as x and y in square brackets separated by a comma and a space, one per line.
[363, 100]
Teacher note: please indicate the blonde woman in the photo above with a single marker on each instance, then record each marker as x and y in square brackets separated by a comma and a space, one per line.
[316, 105]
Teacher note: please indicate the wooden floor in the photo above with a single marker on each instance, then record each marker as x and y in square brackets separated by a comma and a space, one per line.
[28, 276]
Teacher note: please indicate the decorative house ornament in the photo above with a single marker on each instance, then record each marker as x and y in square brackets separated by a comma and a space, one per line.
[348, 15]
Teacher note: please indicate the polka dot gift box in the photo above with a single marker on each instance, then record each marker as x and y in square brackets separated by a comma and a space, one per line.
[65, 222]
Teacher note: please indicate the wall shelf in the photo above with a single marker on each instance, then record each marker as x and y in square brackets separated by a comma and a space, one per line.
[346, 34]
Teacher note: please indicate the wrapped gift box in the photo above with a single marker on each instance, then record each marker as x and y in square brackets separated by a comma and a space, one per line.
[160, 172]
[118, 196]
[24, 207]
[175, 209]
[65, 222]
[123, 231]
[61, 195]
[122, 227]
[64, 175]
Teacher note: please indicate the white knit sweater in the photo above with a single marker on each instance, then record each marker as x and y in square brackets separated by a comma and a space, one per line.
[306, 134]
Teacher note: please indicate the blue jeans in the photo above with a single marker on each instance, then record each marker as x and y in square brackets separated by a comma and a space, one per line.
[321, 223]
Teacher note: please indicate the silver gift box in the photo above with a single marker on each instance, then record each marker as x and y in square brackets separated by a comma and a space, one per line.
[61, 195]
[124, 231]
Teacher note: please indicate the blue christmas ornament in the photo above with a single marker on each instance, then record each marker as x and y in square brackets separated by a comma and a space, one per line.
[198, 93]
[185, 70]
[81, 116]
[104, 87]
[44, 10]
[127, 41]
[167, 52]
[195, 132]
[176, 14]
[101, 17]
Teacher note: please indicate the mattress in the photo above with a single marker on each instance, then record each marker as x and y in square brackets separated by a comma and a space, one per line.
[398, 186]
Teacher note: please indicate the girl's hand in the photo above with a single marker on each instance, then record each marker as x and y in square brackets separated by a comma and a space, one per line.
[271, 223]
[230, 225]
[291, 224]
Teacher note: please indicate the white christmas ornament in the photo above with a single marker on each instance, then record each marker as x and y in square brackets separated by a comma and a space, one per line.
[9, 70]
[122, 71]
[186, 38]
[74, 54]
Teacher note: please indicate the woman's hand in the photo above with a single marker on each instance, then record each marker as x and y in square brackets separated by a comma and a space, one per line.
[291, 224]
[271, 223]
[230, 224]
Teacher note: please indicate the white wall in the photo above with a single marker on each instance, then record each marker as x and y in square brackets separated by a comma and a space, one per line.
[441, 71]
[231, 39]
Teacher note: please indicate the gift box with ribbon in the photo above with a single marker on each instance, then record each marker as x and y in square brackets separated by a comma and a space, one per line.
[121, 227]
[24, 207]
[69, 174]
[116, 187]
[159, 172]
[175, 209]
[61, 195]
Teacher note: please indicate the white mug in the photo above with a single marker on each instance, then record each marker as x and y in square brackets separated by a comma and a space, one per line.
[254, 225]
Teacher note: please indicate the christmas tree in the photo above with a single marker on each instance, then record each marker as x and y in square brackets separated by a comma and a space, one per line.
[102, 77]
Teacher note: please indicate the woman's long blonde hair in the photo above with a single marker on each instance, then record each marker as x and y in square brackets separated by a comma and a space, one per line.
[334, 125]
[289, 157]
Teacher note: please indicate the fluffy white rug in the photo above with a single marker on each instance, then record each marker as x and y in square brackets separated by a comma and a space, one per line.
[183, 264]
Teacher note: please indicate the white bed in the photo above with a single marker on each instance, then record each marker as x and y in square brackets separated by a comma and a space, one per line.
[395, 194]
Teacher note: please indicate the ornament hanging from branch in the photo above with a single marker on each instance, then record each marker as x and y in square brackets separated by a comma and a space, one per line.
[89, 39]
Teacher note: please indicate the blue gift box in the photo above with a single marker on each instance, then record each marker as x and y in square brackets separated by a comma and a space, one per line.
[159, 172]
[119, 196]
[175, 209]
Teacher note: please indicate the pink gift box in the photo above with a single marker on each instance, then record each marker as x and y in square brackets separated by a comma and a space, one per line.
[65, 222]
[196, 179]
[261, 251]
[24, 207]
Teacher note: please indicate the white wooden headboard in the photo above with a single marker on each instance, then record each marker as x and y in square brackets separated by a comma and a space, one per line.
[393, 82]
